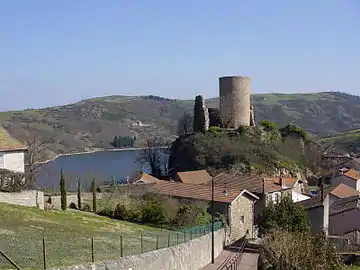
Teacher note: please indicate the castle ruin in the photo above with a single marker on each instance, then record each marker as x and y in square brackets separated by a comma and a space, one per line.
[235, 106]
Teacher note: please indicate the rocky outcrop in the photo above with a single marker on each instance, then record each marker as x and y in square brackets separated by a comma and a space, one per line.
[201, 115]
[252, 116]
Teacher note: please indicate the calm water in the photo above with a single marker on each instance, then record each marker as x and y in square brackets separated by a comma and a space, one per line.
[103, 165]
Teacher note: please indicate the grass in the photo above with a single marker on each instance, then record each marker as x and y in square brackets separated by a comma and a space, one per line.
[345, 136]
[68, 236]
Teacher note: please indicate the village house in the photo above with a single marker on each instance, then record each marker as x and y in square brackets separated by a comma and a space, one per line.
[267, 189]
[144, 178]
[236, 205]
[323, 210]
[349, 177]
[193, 177]
[12, 153]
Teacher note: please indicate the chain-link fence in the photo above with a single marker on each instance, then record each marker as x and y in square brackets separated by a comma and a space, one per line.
[56, 251]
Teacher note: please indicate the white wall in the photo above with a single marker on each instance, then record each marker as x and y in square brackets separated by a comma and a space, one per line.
[14, 161]
[32, 198]
[297, 197]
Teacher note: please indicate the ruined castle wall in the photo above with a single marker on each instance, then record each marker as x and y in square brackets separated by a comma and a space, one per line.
[235, 95]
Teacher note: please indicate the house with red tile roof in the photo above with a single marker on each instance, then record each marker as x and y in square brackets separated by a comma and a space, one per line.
[193, 177]
[348, 177]
[12, 152]
[236, 205]
[321, 213]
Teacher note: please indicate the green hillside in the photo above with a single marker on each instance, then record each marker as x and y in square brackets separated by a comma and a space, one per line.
[67, 237]
[94, 122]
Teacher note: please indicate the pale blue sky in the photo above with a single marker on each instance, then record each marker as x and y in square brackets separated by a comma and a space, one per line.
[56, 52]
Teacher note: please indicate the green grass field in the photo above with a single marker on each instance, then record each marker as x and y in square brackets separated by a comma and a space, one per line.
[68, 236]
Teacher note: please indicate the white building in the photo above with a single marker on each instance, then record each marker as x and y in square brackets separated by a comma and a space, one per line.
[12, 152]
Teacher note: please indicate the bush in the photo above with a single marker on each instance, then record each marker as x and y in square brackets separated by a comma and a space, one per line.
[106, 212]
[215, 129]
[191, 214]
[153, 212]
[86, 208]
[73, 206]
[267, 125]
[297, 250]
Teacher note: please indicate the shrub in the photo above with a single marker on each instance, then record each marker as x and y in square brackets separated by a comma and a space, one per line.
[73, 206]
[297, 250]
[79, 195]
[191, 214]
[215, 129]
[293, 130]
[93, 188]
[122, 212]
[86, 208]
[153, 212]
[267, 125]
[106, 212]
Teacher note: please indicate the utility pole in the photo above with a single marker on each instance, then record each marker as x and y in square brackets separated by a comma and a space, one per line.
[212, 221]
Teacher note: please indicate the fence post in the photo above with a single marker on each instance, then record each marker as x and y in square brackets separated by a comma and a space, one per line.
[177, 238]
[44, 253]
[92, 250]
[157, 242]
[141, 243]
[121, 246]
[184, 236]
[191, 235]
[169, 239]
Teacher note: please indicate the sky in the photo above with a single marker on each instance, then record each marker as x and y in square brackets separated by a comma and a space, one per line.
[58, 52]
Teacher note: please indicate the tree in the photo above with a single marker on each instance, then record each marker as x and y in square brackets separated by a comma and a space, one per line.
[185, 124]
[153, 154]
[199, 115]
[93, 189]
[63, 191]
[79, 194]
[283, 215]
[33, 156]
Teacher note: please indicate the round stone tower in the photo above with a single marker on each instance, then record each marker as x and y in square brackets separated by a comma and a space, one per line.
[234, 101]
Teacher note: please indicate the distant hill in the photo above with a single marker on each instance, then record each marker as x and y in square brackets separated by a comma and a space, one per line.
[348, 141]
[92, 123]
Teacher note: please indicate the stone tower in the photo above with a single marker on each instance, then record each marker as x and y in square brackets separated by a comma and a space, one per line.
[235, 95]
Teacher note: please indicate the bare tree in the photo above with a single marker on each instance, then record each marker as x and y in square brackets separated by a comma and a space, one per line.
[33, 156]
[185, 124]
[154, 154]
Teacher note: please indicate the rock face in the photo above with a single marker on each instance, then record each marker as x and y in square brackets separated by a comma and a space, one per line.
[252, 116]
[201, 115]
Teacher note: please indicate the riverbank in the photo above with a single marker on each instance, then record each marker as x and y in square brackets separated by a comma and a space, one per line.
[92, 151]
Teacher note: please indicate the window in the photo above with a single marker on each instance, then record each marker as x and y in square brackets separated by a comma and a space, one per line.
[2, 161]
[242, 218]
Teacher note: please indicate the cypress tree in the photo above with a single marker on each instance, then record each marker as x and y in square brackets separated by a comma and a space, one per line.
[62, 190]
[93, 188]
[79, 195]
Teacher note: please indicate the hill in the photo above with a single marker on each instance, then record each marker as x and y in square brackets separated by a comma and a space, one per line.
[92, 123]
[67, 236]
[348, 141]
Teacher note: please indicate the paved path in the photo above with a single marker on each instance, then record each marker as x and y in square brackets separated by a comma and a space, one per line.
[224, 256]
[249, 261]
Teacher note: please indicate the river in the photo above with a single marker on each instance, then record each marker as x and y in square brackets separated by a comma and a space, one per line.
[103, 165]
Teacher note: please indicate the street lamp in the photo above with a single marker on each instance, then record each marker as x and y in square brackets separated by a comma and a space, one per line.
[212, 222]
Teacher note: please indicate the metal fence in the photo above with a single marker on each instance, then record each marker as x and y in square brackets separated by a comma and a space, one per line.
[60, 251]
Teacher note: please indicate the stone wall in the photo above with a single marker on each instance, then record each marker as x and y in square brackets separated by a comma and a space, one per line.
[191, 255]
[31, 198]
[241, 218]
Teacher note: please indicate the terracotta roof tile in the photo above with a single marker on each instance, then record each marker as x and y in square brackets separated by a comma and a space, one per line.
[355, 175]
[8, 143]
[193, 191]
[194, 177]
[343, 191]
[254, 184]
[145, 178]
